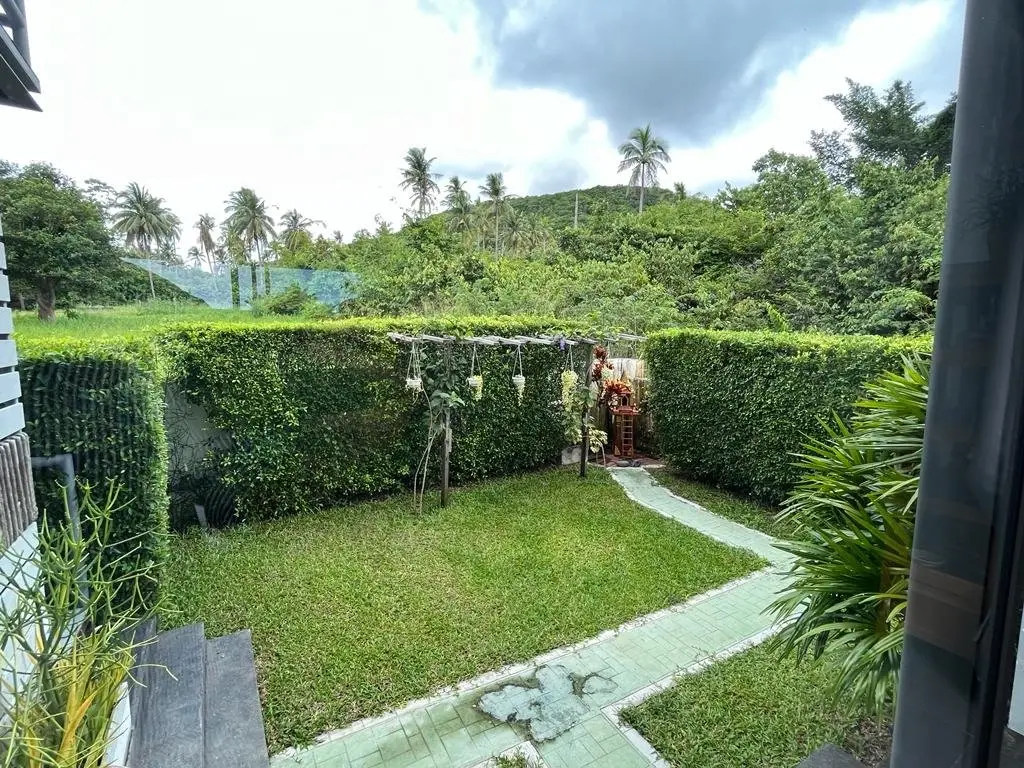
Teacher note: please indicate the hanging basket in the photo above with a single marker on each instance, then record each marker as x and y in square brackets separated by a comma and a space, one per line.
[476, 385]
[414, 383]
[519, 382]
[518, 379]
[475, 380]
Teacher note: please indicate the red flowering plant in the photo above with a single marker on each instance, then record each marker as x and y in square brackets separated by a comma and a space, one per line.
[616, 388]
[601, 363]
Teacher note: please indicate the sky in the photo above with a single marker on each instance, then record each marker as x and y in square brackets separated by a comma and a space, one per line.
[314, 104]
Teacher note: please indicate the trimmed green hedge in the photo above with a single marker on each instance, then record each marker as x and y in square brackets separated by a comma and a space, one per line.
[318, 413]
[103, 403]
[730, 408]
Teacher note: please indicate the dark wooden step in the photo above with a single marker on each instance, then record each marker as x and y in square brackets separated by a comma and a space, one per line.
[234, 720]
[167, 714]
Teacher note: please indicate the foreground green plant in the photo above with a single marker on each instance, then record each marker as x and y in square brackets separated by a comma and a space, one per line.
[854, 515]
[67, 640]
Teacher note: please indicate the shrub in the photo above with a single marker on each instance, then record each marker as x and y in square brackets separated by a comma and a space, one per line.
[290, 301]
[314, 414]
[730, 408]
[102, 402]
[855, 506]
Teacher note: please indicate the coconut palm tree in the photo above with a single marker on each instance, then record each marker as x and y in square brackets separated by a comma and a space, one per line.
[496, 192]
[517, 229]
[145, 221]
[643, 156]
[295, 229]
[455, 194]
[249, 221]
[420, 180]
[205, 226]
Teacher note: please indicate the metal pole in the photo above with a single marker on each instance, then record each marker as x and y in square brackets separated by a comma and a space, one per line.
[964, 609]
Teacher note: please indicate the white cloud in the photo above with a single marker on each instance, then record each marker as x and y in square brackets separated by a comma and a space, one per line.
[314, 104]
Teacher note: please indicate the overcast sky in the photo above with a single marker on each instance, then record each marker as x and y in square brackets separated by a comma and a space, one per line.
[314, 103]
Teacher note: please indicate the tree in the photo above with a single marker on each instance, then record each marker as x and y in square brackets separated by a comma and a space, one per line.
[643, 156]
[295, 229]
[456, 195]
[249, 221]
[496, 192]
[419, 179]
[887, 128]
[680, 189]
[145, 222]
[207, 242]
[55, 236]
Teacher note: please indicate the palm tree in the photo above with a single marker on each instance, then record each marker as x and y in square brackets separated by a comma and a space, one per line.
[249, 221]
[420, 180]
[295, 229]
[144, 221]
[207, 242]
[643, 155]
[517, 229]
[455, 194]
[496, 192]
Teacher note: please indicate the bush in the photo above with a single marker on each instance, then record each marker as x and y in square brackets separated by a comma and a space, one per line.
[314, 414]
[730, 408]
[291, 301]
[855, 505]
[102, 402]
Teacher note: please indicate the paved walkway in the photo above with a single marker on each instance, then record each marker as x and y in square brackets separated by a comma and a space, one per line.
[563, 706]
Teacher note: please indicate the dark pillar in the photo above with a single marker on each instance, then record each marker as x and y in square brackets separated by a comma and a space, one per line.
[963, 614]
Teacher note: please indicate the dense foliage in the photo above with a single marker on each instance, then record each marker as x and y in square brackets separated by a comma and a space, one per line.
[730, 408]
[855, 505]
[102, 402]
[317, 413]
[845, 239]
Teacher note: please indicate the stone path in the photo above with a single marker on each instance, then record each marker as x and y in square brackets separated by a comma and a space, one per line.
[563, 706]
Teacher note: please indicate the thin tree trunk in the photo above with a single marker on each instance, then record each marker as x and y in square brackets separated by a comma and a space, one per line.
[642, 180]
[46, 300]
[495, 226]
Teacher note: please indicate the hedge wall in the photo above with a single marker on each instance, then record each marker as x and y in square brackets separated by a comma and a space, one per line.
[102, 402]
[730, 408]
[318, 413]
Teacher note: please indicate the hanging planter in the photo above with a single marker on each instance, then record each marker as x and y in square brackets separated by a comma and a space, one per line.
[414, 376]
[475, 380]
[518, 379]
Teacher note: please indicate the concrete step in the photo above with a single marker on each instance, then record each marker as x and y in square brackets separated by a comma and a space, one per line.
[234, 720]
[167, 714]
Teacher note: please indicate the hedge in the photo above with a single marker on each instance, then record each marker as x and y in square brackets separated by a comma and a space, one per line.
[318, 413]
[730, 408]
[103, 403]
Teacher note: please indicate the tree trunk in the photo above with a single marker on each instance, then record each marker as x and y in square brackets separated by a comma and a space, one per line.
[46, 300]
[495, 226]
[21, 301]
[642, 180]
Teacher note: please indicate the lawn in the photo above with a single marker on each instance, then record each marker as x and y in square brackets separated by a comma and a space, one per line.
[356, 610]
[739, 508]
[755, 711]
[130, 319]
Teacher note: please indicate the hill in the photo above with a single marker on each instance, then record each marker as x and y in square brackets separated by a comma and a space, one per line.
[558, 207]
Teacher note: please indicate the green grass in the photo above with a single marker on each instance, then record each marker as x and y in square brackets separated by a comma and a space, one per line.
[129, 319]
[755, 711]
[739, 508]
[356, 610]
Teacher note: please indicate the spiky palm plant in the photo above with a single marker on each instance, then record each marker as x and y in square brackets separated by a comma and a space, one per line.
[854, 508]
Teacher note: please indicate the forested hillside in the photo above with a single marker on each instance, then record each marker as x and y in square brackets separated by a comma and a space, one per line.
[846, 238]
